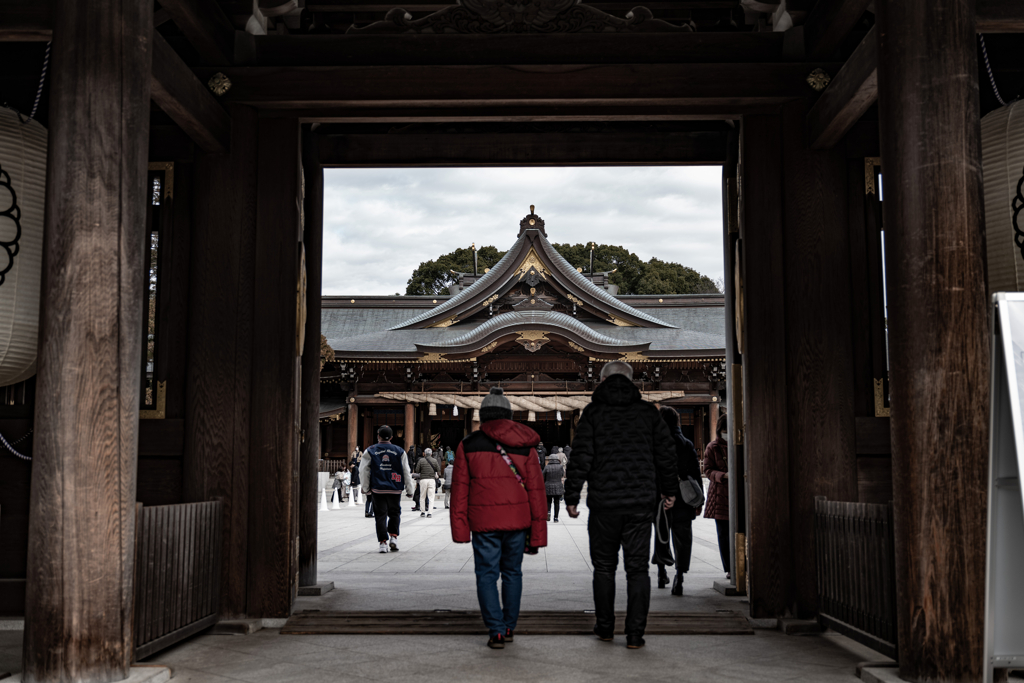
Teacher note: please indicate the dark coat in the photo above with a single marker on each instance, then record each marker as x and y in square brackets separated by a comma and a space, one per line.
[716, 463]
[428, 468]
[623, 451]
[485, 493]
[553, 474]
[688, 465]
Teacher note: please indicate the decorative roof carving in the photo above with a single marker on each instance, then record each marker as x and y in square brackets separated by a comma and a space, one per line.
[520, 16]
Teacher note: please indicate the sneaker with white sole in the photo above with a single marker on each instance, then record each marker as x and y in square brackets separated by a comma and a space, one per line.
[383, 548]
[394, 546]
[429, 515]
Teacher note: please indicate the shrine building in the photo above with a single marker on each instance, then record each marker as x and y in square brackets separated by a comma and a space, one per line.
[533, 325]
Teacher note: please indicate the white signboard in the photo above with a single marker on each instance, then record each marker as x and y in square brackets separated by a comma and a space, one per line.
[1004, 589]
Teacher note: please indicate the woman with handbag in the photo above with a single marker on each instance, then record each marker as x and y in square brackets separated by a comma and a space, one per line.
[680, 517]
[716, 469]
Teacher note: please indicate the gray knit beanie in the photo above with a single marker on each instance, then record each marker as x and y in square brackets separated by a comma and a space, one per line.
[495, 406]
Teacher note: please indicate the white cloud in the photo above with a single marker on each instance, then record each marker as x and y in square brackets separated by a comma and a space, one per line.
[380, 224]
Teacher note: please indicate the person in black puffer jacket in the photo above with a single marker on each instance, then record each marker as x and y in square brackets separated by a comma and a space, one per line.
[625, 454]
[681, 517]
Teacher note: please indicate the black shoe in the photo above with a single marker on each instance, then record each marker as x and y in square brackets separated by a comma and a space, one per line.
[509, 635]
[423, 514]
[603, 635]
[368, 516]
[634, 642]
[677, 585]
[429, 515]
[662, 576]
[556, 520]
[496, 642]
[549, 518]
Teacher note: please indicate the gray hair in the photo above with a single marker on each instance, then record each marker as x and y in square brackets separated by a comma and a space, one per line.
[617, 367]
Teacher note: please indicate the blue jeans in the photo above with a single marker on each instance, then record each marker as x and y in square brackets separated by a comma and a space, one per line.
[497, 552]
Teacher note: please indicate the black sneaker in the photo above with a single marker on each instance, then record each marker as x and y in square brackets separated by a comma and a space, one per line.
[423, 514]
[634, 642]
[496, 642]
[605, 636]
[429, 515]
[510, 635]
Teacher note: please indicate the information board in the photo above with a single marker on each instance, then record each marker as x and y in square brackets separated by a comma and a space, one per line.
[1004, 589]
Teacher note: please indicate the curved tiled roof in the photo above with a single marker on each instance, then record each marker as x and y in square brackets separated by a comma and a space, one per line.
[493, 279]
[581, 281]
[489, 278]
[534, 319]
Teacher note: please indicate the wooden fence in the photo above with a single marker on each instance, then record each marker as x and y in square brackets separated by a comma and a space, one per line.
[331, 465]
[177, 573]
[857, 572]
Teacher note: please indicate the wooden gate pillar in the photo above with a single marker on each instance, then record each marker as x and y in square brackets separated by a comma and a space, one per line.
[765, 434]
[819, 342]
[79, 595]
[310, 450]
[274, 429]
[220, 340]
[938, 329]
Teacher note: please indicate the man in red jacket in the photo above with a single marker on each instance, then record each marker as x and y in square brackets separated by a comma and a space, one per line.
[498, 499]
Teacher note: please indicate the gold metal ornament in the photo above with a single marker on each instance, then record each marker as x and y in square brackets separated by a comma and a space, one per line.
[219, 84]
[819, 80]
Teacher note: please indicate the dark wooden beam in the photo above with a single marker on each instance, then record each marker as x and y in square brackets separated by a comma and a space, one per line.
[828, 23]
[721, 85]
[206, 27]
[81, 561]
[335, 6]
[938, 328]
[848, 96]
[577, 48]
[187, 101]
[497, 149]
[310, 449]
[26, 20]
[765, 440]
[220, 331]
[274, 427]
[1000, 16]
[517, 114]
[819, 349]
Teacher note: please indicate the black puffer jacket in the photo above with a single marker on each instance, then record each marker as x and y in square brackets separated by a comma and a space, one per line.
[622, 450]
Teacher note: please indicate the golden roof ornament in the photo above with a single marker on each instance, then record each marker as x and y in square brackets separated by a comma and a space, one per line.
[819, 80]
[219, 84]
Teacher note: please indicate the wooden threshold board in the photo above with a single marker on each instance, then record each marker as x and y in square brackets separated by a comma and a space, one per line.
[540, 623]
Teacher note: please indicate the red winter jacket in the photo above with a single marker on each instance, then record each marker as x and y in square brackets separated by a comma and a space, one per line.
[485, 493]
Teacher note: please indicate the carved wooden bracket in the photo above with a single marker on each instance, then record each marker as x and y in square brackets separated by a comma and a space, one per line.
[520, 16]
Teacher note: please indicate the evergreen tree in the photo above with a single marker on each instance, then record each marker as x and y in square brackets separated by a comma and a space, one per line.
[632, 275]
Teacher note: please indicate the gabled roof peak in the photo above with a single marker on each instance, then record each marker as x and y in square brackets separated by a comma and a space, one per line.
[532, 222]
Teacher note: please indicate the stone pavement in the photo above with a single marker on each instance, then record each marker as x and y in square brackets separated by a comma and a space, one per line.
[431, 572]
[439, 573]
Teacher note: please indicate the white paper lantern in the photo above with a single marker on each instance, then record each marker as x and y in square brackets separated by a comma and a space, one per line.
[455, 411]
[432, 410]
[22, 200]
[1002, 154]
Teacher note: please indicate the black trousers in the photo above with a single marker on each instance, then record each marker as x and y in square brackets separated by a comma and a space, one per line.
[681, 527]
[632, 532]
[723, 543]
[556, 502]
[387, 512]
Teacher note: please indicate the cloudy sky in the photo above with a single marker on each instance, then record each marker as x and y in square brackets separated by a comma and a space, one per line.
[380, 224]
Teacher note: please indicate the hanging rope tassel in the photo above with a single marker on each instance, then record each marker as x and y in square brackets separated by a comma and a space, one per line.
[10, 446]
[988, 67]
[42, 80]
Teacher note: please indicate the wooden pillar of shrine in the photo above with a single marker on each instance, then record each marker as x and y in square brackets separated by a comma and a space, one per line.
[352, 418]
[369, 434]
[712, 421]
[819, 342]
[275, 422]
[938, 329]
[765, 413]
[410, 425]
[310, 449]
[81, 536]
[220, 339]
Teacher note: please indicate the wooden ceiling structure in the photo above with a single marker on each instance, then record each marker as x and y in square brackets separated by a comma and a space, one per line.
[256, 97]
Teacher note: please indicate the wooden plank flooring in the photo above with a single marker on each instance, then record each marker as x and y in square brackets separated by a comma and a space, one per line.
[545, 623]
